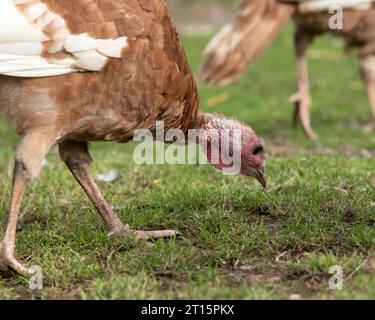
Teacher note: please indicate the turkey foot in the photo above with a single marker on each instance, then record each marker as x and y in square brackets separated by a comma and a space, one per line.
[157, 234]
[9, 262]
[302, 110]
[144, 235]
[77, 158]
[369, 127]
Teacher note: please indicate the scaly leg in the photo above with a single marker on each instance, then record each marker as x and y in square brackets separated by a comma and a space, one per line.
[77, 157]
[28, 159]
[368, 74]
[302, 98]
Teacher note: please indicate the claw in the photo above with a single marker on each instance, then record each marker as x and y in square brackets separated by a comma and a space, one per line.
[144, 235]
[369, 127]
[149, 235]
[302, 103]
[7, 264]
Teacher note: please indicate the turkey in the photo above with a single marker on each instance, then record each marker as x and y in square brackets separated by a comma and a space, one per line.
[257, 23]
[72, 72]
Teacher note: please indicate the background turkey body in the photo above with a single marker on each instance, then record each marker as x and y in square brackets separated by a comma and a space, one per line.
[256, 24]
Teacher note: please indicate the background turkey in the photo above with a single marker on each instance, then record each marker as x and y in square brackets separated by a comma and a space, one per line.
[256, 24]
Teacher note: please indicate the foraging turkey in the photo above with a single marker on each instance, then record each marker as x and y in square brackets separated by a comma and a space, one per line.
[257, 23]
[77, 71]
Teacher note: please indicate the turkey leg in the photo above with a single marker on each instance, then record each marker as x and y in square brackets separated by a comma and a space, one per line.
[302, 98]
[28, 161]
[368, 74]
[77, 157]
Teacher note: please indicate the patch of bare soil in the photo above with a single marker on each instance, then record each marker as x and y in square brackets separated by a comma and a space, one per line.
[298, 283]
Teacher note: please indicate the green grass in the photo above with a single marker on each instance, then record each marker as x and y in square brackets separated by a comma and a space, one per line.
[318, 211]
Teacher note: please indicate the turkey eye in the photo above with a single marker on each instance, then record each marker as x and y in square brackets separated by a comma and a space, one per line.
[257, 150]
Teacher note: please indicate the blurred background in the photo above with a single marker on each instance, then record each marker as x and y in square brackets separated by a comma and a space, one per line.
[189, 18]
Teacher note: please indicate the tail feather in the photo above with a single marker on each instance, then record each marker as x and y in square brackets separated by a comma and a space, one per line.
[256, 24]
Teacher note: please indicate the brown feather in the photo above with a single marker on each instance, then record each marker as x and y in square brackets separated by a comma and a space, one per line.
[358, 28]
[256, 24]
[151, 82]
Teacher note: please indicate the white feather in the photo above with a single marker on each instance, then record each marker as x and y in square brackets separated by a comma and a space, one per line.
[22, 48]
[35, 11]
[80, 43]
[112, 47]
[90, 60]
[38, 73]
[14, 26]
[22, 42]
[25, 66]
[10, 57]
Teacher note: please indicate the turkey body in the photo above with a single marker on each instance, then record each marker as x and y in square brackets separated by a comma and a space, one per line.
[78, 71]
[358, 29]
[150, 81]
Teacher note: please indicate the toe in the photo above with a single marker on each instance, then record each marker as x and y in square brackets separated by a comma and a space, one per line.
[10, 263]
[148, 235]
[369, 128]
[313, 136]
[19, 268]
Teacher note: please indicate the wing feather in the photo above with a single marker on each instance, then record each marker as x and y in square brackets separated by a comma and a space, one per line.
[32, 36]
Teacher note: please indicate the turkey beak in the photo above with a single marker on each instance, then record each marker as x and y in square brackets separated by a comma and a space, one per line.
[261, 177]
